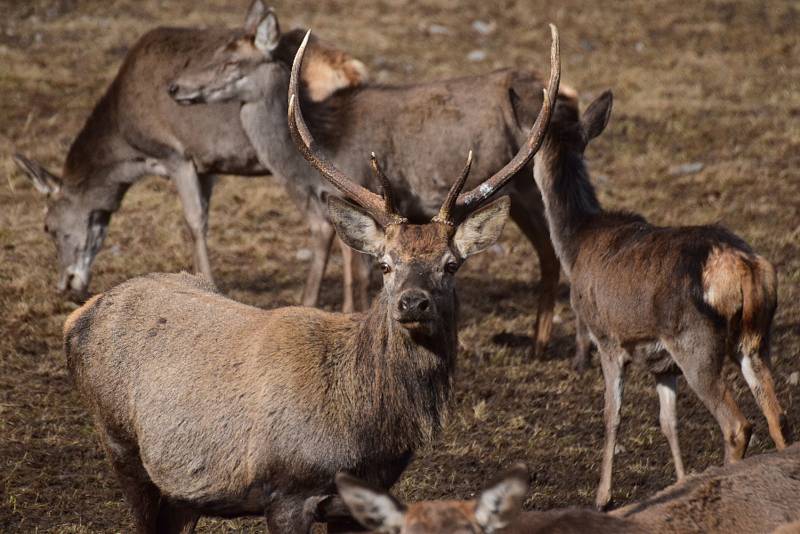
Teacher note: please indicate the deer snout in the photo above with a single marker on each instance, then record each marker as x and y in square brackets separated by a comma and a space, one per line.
[414, 305]
[184, 95]
[73, 287]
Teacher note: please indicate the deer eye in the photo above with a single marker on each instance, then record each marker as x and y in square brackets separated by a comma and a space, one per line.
[451, 267]
[385, 267]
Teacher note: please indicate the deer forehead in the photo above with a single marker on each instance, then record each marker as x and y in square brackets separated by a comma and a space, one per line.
[419, 241]
[242, 47]
[442, 517]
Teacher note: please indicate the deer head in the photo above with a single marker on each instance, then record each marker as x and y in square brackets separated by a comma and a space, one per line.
[75, 224]
[418, 260]
[496, 507]
[247, 66]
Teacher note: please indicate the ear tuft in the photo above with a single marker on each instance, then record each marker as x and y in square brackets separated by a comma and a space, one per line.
[373, 508]
[482, 228]
[355, 227]
[499, 504]
[597, 115]
[43, 180]
[268, 33]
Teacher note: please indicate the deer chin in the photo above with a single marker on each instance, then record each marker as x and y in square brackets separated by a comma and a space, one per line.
[417, 325]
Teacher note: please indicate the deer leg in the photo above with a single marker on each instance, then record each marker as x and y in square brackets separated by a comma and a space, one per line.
[348, 305]
[195, 211]
[530, 219]
[613, 360]
[322, 233]
[173, 519]
[755, 367]
[140, 493]
[583, 346]
[700, 356]
[289, 516]
[667, 386]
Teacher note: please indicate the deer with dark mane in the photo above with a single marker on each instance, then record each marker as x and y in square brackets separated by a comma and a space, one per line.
[433, 122]
[205, 406]
[135, 130]
[691, 296]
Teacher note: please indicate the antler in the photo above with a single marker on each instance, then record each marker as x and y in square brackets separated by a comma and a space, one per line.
[445, 212]
[483, 191]
[380, 208]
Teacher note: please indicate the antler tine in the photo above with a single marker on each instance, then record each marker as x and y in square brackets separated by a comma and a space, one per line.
[528, 150]
[446, 211]
[386, 187]
[305, 144]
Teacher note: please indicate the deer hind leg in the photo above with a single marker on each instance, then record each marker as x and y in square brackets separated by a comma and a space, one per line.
[195, 211]
[666, 386]
[583, 346]
[322, 233]
[755, 366]
[700, 356]
[613, 360]
[356, 280]
[528, 214]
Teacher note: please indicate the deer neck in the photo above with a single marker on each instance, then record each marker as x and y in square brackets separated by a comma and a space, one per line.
[266, 125]
[399, 383]
[569, 198]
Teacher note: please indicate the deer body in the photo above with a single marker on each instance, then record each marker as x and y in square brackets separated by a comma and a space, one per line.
[756, 495]
[136, 129]
[432, 123]
[700, 293]
[207, 406]
[221, 413]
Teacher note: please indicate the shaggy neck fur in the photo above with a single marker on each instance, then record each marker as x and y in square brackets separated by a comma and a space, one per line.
[395, 385]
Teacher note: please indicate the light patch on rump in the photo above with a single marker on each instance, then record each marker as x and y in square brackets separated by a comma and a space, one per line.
[326, 70]
[722, 280]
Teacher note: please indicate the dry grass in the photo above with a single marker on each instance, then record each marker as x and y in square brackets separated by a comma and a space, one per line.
[714, 82]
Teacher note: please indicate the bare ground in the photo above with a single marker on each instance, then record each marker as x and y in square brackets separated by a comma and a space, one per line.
[695, 82]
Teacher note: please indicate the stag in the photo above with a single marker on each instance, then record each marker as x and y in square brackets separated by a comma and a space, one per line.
[757, 495]
[206, 406]
[434, 121]
[136, 130]
[689, 295]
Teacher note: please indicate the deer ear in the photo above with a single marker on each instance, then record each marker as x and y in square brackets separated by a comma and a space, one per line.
[268, 33]
[482, 228]
[43, 180]
[356, 227]
[254, 15]
[374, 509]
[596, 116]
[499, 504]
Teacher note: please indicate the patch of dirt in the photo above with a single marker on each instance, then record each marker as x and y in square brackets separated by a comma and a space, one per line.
[715, 83]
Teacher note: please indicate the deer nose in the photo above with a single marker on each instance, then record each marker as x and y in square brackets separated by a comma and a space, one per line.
[172, 89]
[414, 301]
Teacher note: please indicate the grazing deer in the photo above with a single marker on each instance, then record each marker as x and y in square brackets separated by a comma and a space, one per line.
[698, 292]
[754, 496]
[136, 129]
[432, 121]
[208, 406]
